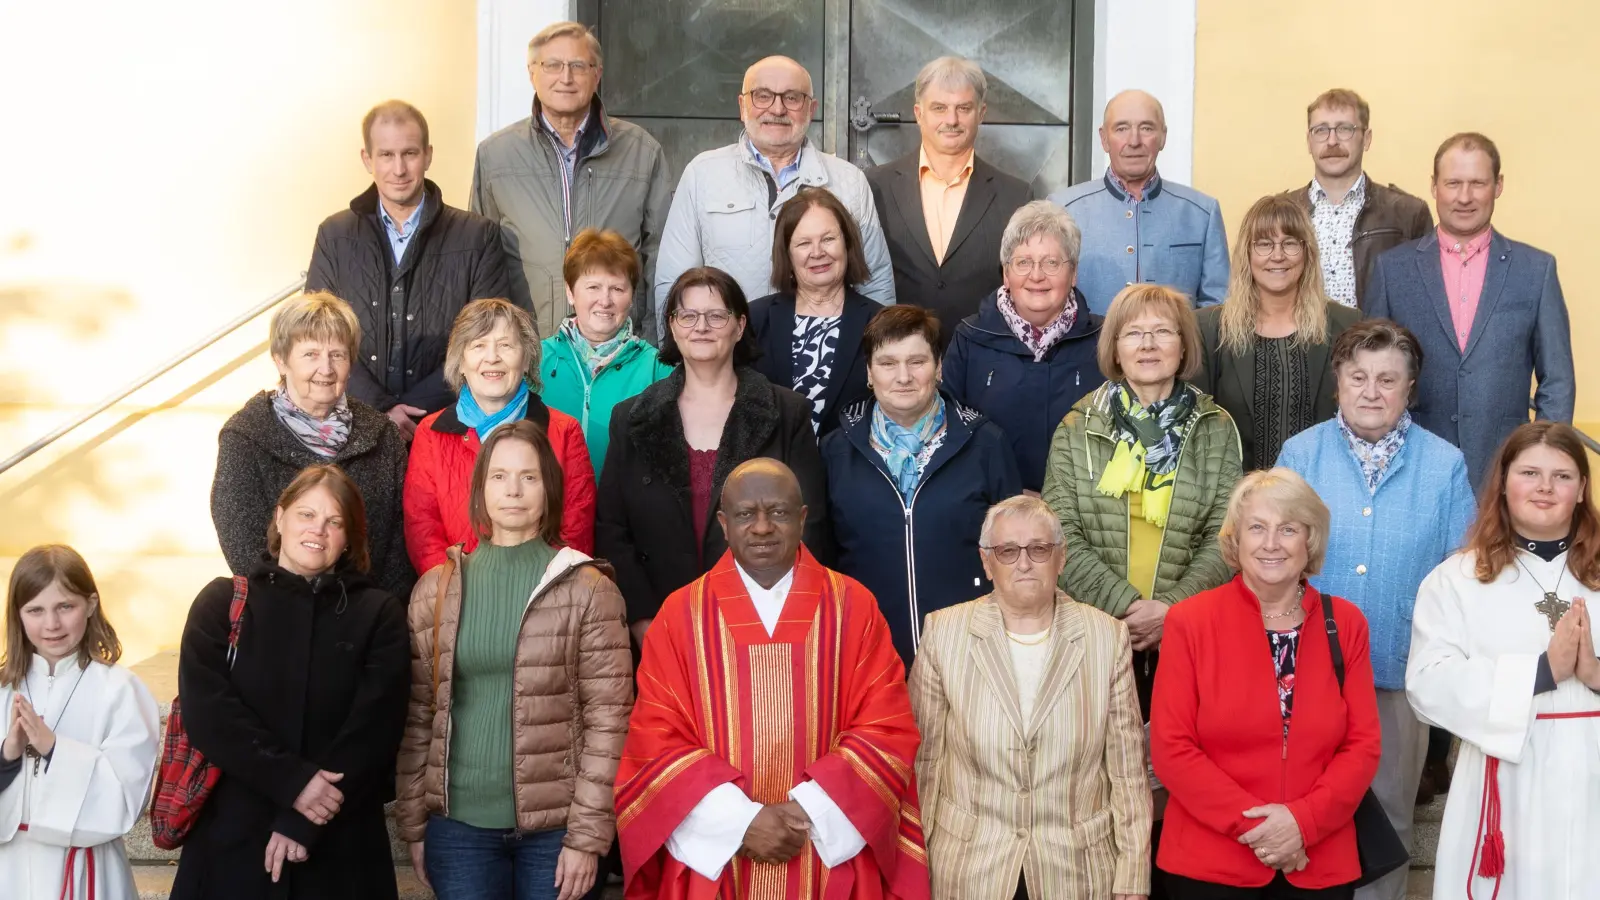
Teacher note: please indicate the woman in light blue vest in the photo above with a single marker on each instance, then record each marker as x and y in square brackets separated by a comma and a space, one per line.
[1400, 503]
[594, 360]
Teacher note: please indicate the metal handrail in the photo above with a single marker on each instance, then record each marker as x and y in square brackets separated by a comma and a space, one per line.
[1589, 442]
[233, 325]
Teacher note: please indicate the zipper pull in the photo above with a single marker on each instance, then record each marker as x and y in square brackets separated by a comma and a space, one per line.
[990, 380]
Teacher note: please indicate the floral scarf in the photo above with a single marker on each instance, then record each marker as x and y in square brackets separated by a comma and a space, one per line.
[1149, 442]
[473, 416]
[1037, 340]
[1375, 458]
[595, 357]
[324, 437]
[907, 450]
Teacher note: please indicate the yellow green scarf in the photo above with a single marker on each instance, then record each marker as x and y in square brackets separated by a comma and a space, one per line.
[1149, 442]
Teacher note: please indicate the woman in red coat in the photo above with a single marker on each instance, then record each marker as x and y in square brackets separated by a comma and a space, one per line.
[493, 363]
[1264, 758]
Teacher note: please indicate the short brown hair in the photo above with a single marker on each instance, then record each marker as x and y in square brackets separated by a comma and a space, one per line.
[397, 111]
[746, 351]
[1468, 140]
[897, 322]
[1131, 302]
[351, 506]
[1341, 98]
[596, 250]
[1493, 540]
[1377, 335]
[36, 570]
[550, 477]
[314, 316]
[794, 209]
[477, 319]
[1293, 499]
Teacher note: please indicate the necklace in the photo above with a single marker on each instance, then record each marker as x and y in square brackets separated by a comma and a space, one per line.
[1552, 605]
[29, 750]
[1289, 614]
[1038, 639]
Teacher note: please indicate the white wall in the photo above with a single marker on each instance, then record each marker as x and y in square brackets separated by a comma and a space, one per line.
[1149, 45]
[504, 29]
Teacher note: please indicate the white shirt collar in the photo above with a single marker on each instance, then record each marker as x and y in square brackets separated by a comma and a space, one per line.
[767, 601]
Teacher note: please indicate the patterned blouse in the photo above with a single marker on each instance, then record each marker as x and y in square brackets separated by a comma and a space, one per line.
[815, 340]
[1283, 404]
[1285, 647]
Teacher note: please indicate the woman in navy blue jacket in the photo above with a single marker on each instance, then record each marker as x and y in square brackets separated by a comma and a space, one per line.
[1028, 353]
[911, 473]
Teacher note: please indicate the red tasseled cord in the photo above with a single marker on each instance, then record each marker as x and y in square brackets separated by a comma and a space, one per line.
[1494, 841]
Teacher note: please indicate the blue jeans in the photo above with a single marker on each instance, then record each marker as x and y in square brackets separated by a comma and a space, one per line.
[468, 863]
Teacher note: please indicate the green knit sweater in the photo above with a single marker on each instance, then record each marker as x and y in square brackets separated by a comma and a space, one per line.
[496, 585]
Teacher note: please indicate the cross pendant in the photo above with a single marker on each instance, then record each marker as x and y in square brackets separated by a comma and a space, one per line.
[1553, 608]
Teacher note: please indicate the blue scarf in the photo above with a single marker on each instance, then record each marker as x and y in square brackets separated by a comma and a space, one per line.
[473, 416]
[907, 450]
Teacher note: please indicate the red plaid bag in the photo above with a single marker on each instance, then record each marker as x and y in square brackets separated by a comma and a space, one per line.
[184, 779]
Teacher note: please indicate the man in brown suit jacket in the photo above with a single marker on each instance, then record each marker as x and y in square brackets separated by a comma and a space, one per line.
[1356, 218]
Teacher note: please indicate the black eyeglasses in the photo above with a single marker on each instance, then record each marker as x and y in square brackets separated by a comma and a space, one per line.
[761, 98]
[1038, 551]
[689, 319]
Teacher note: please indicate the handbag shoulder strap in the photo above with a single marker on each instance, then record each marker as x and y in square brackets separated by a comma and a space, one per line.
[1335, 651]
[241, 592]
[445, 574]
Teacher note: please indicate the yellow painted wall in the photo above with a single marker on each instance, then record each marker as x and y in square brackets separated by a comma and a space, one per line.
[165, 166]
[1523, 73]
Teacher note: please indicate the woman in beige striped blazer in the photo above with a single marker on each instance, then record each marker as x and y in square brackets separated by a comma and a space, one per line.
[1032, 765]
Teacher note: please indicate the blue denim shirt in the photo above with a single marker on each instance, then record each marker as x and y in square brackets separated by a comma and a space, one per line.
[1173, 236]
[1382, 545]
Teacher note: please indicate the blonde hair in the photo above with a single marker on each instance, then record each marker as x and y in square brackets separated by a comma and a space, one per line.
[314, 316]
[1290, 496]
[1270, 216]
[477, 319]
[565, 29]
[1133, 301]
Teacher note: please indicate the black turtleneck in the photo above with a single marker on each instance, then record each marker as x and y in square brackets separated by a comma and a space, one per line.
[1545, 550]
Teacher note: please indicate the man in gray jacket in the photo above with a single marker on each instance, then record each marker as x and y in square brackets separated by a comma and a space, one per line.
[565, 168]
[728, 198]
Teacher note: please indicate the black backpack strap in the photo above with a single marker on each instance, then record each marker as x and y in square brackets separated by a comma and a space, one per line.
[1335, 651]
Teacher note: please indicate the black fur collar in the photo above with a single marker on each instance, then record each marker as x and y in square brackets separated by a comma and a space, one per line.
[656, 429]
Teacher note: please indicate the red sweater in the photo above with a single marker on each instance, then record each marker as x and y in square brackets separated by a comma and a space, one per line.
[439, 482]
[1216, 738]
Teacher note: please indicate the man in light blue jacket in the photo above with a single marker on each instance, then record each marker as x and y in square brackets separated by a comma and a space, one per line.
[728, 198]
[1138, 227]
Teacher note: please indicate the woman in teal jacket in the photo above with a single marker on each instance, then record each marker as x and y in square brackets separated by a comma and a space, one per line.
[594, 360]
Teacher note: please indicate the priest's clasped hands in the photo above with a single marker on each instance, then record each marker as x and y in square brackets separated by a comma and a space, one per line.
[777, 833]
[1571, 650]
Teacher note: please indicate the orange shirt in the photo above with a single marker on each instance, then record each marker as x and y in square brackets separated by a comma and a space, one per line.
[941, 201]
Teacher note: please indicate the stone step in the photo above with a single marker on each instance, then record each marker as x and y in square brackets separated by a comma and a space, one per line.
[142, 850]
[154, 882]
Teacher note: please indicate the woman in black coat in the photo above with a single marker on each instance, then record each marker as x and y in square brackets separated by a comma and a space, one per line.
[673, 445]
[911, 475]
[810, 332]
[305, 722]
[309, 419]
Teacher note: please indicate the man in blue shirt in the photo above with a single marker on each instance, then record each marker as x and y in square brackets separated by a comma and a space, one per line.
[1139, 228]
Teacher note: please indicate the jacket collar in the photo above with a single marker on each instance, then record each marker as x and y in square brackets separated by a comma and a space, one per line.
[960, 424]
[596, 135]
[992, 655]
[365, 204]
[778, 346]
[812, 171]
[257, 422]
[1311, 602]
[1152, 190]
[988, 327]
[450, 423]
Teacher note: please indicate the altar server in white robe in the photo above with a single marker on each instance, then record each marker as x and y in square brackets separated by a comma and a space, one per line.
[81, 738]
[1502, 654]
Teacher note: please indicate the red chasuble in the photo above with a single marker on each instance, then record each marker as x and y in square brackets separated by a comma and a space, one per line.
[823, 698]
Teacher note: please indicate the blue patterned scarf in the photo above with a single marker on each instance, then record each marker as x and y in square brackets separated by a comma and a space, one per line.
[1375, 458]
[907, 450]
[595, 357]
[473, 416]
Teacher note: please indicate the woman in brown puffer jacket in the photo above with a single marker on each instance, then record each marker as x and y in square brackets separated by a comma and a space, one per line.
[499, 806]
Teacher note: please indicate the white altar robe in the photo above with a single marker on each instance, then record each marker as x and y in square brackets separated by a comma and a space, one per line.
[1474, 657]
[92, 791]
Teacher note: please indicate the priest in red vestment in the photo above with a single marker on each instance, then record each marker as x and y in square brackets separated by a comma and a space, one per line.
[771, 750]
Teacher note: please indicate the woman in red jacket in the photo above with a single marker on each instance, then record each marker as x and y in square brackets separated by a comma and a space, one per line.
[493, 363]
[1264, 757]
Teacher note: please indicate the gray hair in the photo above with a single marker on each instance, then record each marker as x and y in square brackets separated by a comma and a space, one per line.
[1041, 217]
[1024, 506]
[952, 73]
[565, 29]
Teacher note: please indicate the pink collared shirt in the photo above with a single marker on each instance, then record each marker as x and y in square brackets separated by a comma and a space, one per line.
[1464, 266]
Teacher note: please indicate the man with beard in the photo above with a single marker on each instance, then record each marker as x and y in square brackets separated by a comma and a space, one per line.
[942, 208]
[770, 752]
[1356, 218]
[728, 198]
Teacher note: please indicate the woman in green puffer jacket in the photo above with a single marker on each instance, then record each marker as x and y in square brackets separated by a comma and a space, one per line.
[1140, 473]
[594, 361]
